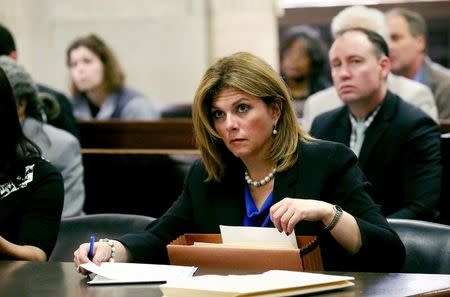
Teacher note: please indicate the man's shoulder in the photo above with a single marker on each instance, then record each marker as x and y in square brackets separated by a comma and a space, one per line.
[330, 116]
[407, 109]
[413, 92]
[318, 103]
[327, 97]
[439, 73]
[410, 116]
[407, 88]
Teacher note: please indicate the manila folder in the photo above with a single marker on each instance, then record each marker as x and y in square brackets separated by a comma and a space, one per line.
[269, 284]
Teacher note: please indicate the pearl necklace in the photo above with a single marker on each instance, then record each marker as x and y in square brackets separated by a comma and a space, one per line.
[261, 182]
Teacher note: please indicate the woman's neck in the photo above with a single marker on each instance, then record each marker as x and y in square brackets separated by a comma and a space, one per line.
[258, 170]
[97, 95]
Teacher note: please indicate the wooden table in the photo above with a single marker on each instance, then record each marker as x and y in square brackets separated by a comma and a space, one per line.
[19, 278]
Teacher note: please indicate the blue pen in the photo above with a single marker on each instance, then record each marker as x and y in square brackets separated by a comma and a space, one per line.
[91, 248]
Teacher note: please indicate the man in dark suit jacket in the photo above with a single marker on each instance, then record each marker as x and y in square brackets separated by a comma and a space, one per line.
[398, 145]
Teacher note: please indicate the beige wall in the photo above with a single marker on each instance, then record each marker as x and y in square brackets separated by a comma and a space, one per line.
[163, 45]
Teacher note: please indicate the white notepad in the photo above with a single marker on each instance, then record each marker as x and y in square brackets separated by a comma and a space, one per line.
[119, 273]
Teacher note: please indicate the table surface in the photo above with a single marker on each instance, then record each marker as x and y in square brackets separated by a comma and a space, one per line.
[20, 278]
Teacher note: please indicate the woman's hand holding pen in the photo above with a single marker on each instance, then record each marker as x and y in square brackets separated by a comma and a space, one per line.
[288, 212]
[101, 253]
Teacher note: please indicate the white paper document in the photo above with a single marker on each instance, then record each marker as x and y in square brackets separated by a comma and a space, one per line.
[270, 283]
[257, 236]
[116, 273]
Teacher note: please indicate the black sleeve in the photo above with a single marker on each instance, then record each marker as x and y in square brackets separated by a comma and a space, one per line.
[382, 249]
[39, 225]
[150, 246]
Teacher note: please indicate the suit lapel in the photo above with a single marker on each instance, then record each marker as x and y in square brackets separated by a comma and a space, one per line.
[377, 128]
[342, 130]
[428, 77]
[285, 184]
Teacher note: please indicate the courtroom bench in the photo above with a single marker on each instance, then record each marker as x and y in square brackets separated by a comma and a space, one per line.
[135, 167]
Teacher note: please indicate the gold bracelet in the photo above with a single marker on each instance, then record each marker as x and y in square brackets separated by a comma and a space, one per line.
[113, 249]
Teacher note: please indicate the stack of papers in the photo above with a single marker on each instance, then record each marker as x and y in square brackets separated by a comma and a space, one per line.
[269, 284]
[257, 237]
[119, 273]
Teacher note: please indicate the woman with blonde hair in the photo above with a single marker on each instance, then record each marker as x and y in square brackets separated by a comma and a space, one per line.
[259, 168]
[98, 84]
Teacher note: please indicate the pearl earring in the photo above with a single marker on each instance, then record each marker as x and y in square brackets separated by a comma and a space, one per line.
[274, 131]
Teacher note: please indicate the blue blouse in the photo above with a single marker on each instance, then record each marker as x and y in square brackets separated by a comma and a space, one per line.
[253, 217]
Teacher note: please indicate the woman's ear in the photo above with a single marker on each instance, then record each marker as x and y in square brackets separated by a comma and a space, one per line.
[277, 106]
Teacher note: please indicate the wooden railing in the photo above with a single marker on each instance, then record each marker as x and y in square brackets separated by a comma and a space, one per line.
[116, 134]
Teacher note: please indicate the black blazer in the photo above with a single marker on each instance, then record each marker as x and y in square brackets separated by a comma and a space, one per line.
[324, 170]
[400, 156]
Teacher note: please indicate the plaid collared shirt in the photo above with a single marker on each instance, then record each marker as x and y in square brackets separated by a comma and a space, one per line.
[355, 143]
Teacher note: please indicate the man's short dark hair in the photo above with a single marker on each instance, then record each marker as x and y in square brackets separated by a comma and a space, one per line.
[7, 44]
[378, 42]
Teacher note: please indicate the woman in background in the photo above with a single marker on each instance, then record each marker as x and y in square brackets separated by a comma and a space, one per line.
[31, 189]
[98, 87]
[303, 63]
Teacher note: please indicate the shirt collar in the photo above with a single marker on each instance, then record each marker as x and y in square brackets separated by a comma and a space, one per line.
[420, 75]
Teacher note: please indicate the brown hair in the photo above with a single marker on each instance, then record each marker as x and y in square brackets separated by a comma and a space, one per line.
[249, 74]
[113, 76]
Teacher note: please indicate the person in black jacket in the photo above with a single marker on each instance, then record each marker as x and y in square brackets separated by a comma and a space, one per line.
[398, 144]
[64, 118]
[260, 168]
[31, 189]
